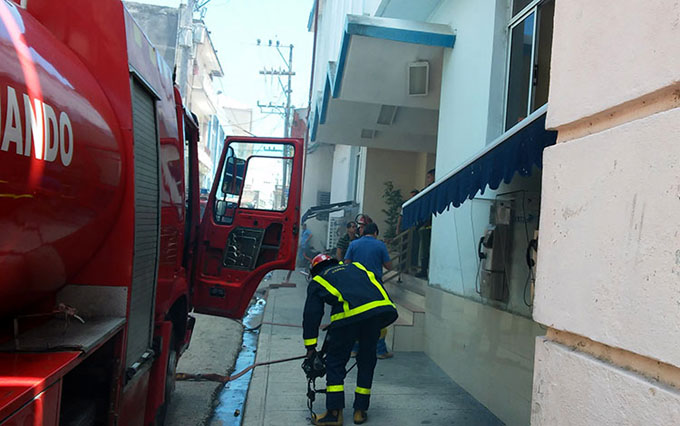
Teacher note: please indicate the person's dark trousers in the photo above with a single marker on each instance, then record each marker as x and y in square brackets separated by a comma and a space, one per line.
[425, 235]
[340, 342]
[415, 251]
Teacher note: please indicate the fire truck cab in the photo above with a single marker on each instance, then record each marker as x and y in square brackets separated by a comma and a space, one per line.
[103, 252]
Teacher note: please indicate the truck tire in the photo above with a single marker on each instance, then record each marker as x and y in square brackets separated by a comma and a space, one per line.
[171, 370]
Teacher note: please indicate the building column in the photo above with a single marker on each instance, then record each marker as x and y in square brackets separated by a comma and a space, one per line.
[608, 272]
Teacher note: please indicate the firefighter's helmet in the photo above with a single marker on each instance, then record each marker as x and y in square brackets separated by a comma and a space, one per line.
[320, 262]
[363, 219]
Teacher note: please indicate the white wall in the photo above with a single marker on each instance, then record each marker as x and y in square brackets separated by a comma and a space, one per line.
[457, 264]
[329, 36]
[487, 351]
[370, 6]
[463, 120]
[342, 160]
[317, 178]
[485, 346]
[403, 168]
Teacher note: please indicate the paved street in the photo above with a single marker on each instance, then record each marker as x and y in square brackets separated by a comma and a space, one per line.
[214, 347]
[409, 389]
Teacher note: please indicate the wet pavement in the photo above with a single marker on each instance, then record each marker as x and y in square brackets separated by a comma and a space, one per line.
[232, 397]
[213, 349]
[408, 389]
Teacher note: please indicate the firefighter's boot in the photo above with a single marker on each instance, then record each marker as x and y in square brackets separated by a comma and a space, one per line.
[329, 418]
[360, 417]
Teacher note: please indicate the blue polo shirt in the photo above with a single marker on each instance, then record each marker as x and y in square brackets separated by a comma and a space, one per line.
[370, 252]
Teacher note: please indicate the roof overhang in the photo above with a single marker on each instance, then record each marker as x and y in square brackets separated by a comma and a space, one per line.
[519, 150]
[371, 74]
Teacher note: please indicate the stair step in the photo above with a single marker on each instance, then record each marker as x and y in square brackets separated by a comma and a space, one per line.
[411, 307]
[403, 296]
[405, 316]
[407, 334]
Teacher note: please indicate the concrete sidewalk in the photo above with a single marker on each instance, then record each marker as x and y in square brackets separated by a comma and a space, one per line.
[408, 389]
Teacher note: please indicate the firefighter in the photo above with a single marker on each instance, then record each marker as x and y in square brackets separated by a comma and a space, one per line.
[362, 220]
[360, 307]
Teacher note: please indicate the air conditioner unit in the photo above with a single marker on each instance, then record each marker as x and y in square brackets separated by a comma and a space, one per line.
[418, 78]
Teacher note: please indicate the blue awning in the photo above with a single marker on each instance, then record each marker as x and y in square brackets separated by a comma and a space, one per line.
[517, 150]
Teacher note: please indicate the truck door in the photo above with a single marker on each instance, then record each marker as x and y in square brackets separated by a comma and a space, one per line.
[251, 222]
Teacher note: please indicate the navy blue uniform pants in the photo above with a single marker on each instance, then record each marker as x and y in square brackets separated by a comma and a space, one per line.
[340, 342]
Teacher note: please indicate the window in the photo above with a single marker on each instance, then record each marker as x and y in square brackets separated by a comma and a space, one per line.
[255, 176]
[264, 183]
[529, 48]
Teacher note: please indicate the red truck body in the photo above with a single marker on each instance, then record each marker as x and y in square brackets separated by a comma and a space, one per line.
[97, 219]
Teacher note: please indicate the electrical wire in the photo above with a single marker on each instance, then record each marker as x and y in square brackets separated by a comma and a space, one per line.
[524, 293]
[530, 275]
[478, 288]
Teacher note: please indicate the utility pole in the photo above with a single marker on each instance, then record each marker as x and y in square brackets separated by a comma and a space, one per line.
[270, 108]
[281, 109]
[286, 132]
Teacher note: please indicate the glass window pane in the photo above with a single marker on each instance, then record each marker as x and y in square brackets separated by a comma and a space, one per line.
[257, 174]
[267, 183]
[543, 52]
[521, 47]
[518, 5]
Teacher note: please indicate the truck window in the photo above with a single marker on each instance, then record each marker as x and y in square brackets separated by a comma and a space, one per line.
[254, 177]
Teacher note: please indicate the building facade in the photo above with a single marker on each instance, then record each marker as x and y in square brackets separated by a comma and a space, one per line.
[185, 44]
[460, 87]
[608, 263]
[532, 112]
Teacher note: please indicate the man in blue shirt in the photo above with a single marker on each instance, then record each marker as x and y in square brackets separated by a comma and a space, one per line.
[369, 251]
[372, 253]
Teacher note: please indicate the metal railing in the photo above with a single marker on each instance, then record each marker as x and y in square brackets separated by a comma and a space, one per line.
[400, 249]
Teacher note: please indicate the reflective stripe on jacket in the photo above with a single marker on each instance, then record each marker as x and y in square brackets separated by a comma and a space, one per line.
[353, 292]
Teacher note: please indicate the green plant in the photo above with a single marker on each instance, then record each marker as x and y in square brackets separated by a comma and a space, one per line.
[393, 200]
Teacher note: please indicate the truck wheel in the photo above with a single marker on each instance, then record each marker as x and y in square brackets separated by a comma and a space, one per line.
[171, 370]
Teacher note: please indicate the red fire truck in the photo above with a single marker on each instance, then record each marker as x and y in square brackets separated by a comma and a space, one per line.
[102, 252]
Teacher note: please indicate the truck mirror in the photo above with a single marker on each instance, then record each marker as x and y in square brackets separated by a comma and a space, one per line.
[220, 207]
[240, 167]
[234, 170]
[228, 181]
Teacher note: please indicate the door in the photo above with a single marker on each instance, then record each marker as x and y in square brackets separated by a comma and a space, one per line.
[147, 223]
[251, 222]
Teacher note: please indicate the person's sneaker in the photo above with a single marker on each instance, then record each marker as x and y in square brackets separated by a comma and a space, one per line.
[329, 418]
[385, 355]
[360, 416]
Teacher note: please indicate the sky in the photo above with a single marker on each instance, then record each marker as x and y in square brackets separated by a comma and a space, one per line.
[235, 26]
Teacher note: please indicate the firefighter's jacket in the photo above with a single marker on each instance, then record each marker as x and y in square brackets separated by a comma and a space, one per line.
[353, 293]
